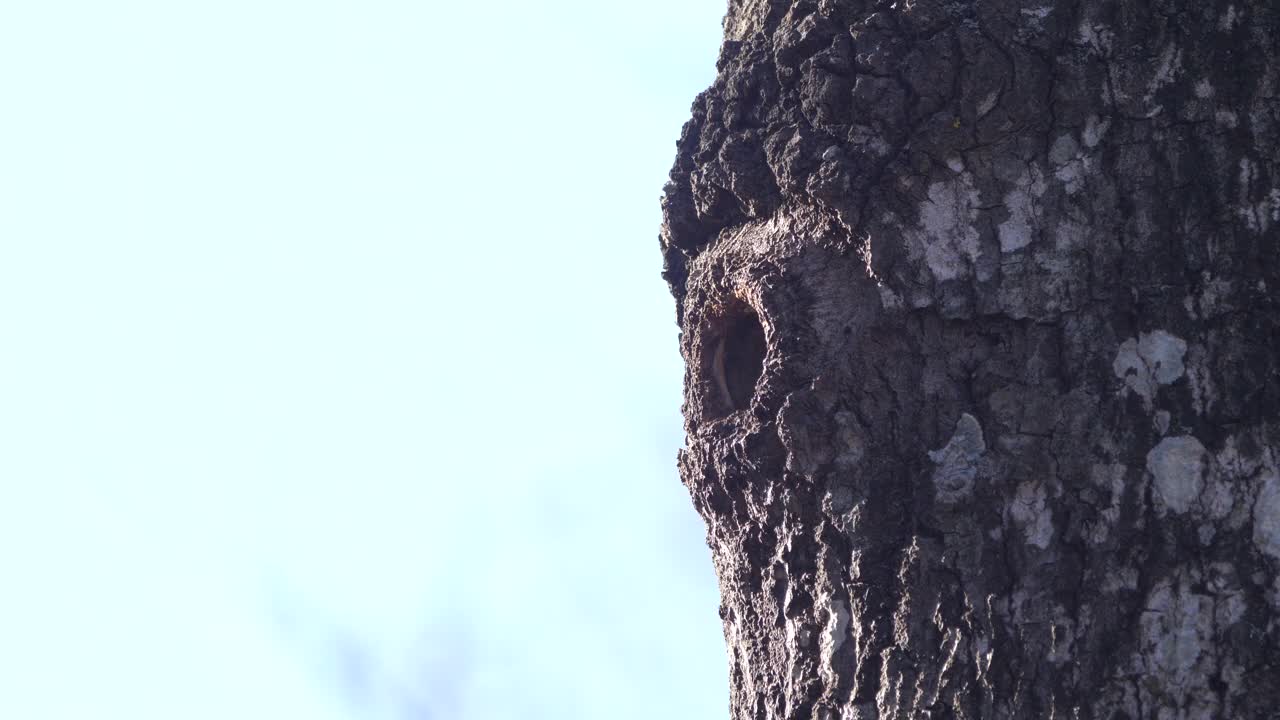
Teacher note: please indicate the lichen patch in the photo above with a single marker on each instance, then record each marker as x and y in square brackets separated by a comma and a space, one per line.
[1150, 360]
[1163, 355]
[958, 461]
[1030, 512]
[1096, 36]
[947, 232]
[1178, 465]
[1094, 130]
[1166, 71]
[1229, 19]
[1266, 516]
[1176, 626]
[1259, 214]
[1070, 164]
[1019, 230]
[1110, 479]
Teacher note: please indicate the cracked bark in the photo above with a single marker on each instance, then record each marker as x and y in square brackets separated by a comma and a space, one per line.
[983, 358]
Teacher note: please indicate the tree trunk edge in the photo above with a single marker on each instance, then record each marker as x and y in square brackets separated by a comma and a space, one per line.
[1011, 446]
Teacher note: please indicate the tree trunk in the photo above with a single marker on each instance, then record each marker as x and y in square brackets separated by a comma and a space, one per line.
[983, 357]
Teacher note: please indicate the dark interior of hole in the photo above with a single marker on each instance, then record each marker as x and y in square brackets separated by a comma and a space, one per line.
[744, 351]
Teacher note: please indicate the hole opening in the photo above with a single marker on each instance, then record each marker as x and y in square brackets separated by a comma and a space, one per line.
[739, 357]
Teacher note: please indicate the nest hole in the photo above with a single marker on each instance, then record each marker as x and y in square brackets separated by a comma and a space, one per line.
[739, 357]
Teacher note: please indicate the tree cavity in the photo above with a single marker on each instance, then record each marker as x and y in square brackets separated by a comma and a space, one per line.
[738, 360]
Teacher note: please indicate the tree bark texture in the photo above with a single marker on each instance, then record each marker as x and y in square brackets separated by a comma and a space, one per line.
[982, 399]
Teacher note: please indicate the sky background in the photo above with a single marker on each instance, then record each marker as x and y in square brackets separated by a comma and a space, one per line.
[337, 378]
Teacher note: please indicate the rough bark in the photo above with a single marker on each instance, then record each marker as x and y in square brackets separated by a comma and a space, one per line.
[983, 356]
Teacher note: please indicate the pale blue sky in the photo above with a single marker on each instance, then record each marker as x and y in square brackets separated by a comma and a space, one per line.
[337, 379]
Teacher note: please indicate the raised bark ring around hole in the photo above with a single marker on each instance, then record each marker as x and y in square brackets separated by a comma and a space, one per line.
[737, 360]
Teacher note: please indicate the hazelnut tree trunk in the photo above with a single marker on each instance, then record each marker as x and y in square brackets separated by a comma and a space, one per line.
[977, 302]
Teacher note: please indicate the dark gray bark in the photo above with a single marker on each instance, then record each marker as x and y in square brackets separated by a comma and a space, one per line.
[978, 307]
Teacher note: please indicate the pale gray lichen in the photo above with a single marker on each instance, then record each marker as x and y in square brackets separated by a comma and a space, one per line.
[1037, 14]
[1150, 360]
[1218, 498]
[1064, 149]
[1180, 630]
[1229, 19]
[1016, 232]
[1029, 511]
[1258, 215]
[958, 461]
[1266, 516]
[1070, 164]
[1094, 129]
[947, 235]
[1096, 36]
[1237, 465]
[1166, 71]
[1129, 367]
[1110, 479]
[1213, 292]
[1204, 392]
[1163, 354]
[1178, 464]
[1176, 626]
